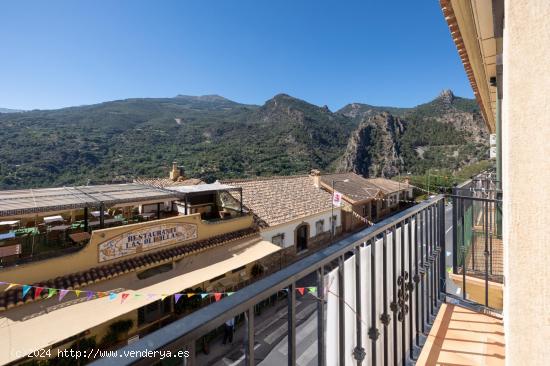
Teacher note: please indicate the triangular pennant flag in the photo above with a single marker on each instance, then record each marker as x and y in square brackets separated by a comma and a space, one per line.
[51, 292]
[300, 290]
[230, 293]
[62, 294]
[190, 294]
[123, 297]
[137, 294]
[217, 296]
[37, 291]
[112, 296]
[151, 296]
[163, 296]
[10, 286]
[177, 297]
[89, 295]
[312, 290]
[26, 289]
[204, 295]
[77, 292]
[3, 283]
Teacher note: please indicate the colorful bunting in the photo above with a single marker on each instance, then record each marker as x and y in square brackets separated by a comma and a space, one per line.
[62, 294]
[124, 296]
[26, 289]
[51, 292]
[11, 285]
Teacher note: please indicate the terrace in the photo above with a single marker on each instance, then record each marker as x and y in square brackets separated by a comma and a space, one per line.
[38, 224]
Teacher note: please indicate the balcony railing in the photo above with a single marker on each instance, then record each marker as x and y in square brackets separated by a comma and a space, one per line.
[375, 296]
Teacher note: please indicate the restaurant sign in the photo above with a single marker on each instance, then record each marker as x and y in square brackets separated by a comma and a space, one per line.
[150, 237]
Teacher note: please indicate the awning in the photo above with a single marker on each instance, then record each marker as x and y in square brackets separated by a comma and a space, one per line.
[216, 186]
[55, 326]
[50, 219]
[11, 222]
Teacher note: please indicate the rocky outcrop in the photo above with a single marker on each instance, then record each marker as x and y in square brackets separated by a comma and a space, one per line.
[373, 148]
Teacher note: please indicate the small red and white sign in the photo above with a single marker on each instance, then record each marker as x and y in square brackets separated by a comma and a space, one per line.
[337, 199]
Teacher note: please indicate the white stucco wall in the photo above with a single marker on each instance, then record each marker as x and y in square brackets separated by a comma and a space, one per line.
[288, 228]
[526, 181]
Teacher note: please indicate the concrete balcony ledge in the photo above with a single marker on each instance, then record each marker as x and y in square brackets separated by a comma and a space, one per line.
[461, 337]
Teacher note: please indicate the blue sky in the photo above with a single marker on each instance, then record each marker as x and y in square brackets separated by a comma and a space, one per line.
[62, 53]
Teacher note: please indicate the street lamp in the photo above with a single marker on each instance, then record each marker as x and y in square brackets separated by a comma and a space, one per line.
[332, 222]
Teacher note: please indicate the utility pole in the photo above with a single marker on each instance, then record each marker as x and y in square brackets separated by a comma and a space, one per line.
[332, 221]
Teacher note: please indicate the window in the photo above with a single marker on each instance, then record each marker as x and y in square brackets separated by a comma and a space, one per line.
[365, 210]
[320, 226]
[278, 239]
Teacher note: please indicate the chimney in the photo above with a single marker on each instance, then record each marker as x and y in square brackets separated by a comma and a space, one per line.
[175, 172]
[407, 180]
[316, 175]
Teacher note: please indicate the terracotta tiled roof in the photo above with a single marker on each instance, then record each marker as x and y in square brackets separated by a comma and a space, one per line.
[388, 185]
[167, 182]
[277, 200]
[356, 189]
[14, 297]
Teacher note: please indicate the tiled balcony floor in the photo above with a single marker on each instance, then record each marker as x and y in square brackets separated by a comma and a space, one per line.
[461, 337]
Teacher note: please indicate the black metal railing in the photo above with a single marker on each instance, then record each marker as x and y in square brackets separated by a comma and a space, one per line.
[477, 251]
[397, 276]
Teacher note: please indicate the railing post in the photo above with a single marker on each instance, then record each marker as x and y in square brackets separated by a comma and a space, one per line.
[455, 232]
[249, 348]
[394, 304]
[385, 317]
[374, 333]
[443, 253]
[321, 357]
[422, 270]
[404, 309]
[359, 351]
[416, 279]
[341, 311]
[486, 253]
[292, 325]
[463, 246]
[410, 287]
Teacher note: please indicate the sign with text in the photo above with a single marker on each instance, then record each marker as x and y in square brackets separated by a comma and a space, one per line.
[144, 239]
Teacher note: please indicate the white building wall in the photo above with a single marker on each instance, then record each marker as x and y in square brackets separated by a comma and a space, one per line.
[288, 228]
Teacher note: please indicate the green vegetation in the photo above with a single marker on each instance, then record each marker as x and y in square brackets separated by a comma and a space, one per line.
[214, 138]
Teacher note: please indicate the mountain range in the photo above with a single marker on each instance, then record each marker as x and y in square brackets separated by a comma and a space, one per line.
[214, 138]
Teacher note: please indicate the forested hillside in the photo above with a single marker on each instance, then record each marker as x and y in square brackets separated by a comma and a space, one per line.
[214, 138]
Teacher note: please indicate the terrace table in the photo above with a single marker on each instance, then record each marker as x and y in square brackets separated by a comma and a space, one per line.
[60, 227]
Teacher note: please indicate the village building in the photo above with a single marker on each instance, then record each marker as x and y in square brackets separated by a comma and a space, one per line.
[81, 261]
[292, 212]
[365, 199]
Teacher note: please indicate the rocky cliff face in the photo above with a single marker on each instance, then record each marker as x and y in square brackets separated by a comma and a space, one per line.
[447, 132]
[373, 149]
